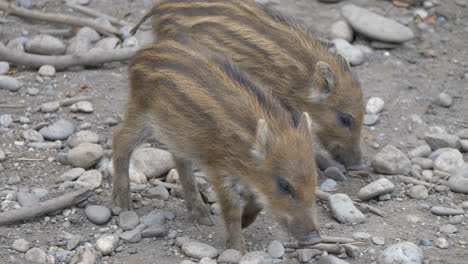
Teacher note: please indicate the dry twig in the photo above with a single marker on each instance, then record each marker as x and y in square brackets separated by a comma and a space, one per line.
[57, 203]
[94, 13]
[94, 57]
[406, 179]
[70, 101]
[321, 195]
[58, 18]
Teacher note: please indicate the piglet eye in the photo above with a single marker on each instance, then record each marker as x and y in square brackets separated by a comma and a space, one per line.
[284, 186]
[345, 119]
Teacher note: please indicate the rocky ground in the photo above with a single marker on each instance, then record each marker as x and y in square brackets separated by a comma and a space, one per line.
[56, 127]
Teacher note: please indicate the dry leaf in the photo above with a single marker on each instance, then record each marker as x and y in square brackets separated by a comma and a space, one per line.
[400, 4]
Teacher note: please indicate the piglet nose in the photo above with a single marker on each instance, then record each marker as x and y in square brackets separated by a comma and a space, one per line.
[311, 238]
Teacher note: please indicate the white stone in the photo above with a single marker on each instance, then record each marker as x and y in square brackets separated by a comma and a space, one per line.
[352, 54]
[45, 45]
[199, 250]
[152, 162]
[9, 83]
[449, 161]
[107, 244]
[458, 182]
[342, 30]
[20, 245]
[4, 67]
[85, 155]
[374, 105]
[390, 160]
[344, 211]
[404, 252]
[47, 70]
[90, 179]
[376, 188]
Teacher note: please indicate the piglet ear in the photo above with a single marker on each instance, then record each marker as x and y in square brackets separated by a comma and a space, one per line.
[305, 124]
[323, 82]
[345, 66]
[261, 139]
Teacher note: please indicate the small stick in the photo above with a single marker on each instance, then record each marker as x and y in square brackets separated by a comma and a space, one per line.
[442, 181]
[406, 179]
[94, 13]
[371, 209]
[58, 18]
[354, 243]
[330, 248]
[341, 240]
[70, 101]
[58, 32]
[30, 159]
[324, 240]
[321, 195]
[11, 106]
[94, 57]
[57, 203]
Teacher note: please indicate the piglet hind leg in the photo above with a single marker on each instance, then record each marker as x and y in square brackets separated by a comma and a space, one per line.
[193, 200]
[130, 135]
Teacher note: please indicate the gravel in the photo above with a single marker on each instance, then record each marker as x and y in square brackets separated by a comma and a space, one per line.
[390, 160]
[128, 220]
[442, 140]
[45, 45]
[374, 25]
[36, 255]
[403, 252]
[71, 175]
[344, 211]
[85, 155]
[106, 244]
[374, 105]
[444, 100]
[59, 130]
[84, 136]
[449, 161]
[352, 54]
[90, 179]
[440, 210]
[418, 192]
[6, 120]
[420, 152]
[9, 83]
[154, 231]
[276, 249]
[341, 30]
[152, 162]
[4, 67]
[50, 107]
[230, 256]
[98, 214]
[20, 245]
[47, 70]
[199, 250]
[256, 257]
[376, 188]
[32, 135]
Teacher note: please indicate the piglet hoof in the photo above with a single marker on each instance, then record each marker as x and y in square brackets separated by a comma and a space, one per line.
[201, 214]
[248, 219]
[237, 245]
[311, 238]
[207, 220]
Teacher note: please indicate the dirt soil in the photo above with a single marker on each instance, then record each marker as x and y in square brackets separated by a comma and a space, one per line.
[405, 77]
